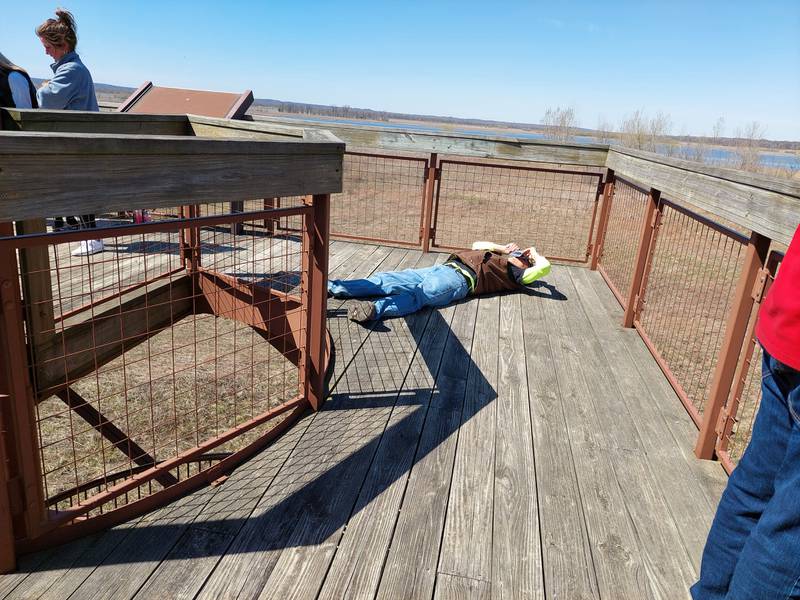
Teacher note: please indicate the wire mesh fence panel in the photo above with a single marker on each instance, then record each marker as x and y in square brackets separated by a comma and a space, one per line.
[687, 296]
[206, 345]
[550, 209]
[618, 257]
[96, 268]
[381, 198]
[738, 416]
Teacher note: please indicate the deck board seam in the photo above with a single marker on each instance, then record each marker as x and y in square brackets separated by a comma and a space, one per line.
[574, 469]
[424, 327]
[535, 471]
[372, 459]
[416, 451]
[454, 460]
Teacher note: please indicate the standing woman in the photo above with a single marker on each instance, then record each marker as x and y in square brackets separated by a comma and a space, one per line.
[71, 88]
[16, 87]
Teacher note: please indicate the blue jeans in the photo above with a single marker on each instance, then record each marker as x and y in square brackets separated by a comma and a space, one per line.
[405, 292]
[753, 548]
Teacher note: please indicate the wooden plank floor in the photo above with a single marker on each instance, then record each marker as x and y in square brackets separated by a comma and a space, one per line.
[514, 446]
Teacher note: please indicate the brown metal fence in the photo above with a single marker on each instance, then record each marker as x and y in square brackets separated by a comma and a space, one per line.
[382, 200]
[383, 196]
[157, 364]
[684, 281]
[626, 208]
[553, 209]
[675, 271]
[683, 304]
[448, 204]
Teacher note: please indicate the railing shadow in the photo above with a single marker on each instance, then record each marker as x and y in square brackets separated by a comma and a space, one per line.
[310, 504]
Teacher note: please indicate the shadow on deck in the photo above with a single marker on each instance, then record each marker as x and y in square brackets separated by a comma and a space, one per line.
[519, 446]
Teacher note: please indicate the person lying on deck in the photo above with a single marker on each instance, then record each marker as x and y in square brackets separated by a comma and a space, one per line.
[485, 269]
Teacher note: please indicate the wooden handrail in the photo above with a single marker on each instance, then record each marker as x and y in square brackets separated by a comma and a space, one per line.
[73, 173]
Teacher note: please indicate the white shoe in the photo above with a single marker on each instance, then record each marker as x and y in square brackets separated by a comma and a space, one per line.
[88, 247]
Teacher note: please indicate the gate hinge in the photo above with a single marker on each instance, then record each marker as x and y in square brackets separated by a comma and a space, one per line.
[760, 284]
[722, 421]
[654, 220]
[437, 173]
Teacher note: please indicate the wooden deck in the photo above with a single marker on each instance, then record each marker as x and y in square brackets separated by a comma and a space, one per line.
[515, 446]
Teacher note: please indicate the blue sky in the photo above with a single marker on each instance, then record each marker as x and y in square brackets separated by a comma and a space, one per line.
[695, 61]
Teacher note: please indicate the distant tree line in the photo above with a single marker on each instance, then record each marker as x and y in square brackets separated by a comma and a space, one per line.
[652, 133]
[321, 110]
[339, 112]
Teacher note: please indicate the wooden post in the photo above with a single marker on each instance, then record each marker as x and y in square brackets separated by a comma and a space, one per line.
[735, 330]
[427, 202]
[21, 477]
[237, 206]
[649, 223]
[315, 273]
[37, 287]
[602, 225]
[269, 223]
[8, 558]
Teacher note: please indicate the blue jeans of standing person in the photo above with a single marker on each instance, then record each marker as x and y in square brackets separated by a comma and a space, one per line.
[753, 548]
[405, 292]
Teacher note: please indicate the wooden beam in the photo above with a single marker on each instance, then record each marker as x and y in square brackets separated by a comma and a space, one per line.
[488, 146]
[277, 316]
[784, 186]
[242, 104]
[135, 97]
[213, 127]
[72, 174]
[59, 121]
[37, 286]
[84, 346]
[773, 214]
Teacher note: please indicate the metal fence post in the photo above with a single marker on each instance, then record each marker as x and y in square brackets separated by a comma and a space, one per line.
[602, 225]
[642, 264]
[427, 202]
[735, 330]
[315, 271]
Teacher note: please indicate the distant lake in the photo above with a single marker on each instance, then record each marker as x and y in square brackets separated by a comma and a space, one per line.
[717, 155]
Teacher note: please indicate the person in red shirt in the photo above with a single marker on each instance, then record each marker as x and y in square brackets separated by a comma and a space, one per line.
[753, 547]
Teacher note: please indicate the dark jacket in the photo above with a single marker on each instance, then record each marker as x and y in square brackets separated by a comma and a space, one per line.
[491, 271]
[6, 98]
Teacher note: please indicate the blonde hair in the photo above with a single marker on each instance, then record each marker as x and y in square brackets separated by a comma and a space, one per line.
[60, 31]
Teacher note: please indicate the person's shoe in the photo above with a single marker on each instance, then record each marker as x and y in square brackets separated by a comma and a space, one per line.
[362, 311]
[88, 247]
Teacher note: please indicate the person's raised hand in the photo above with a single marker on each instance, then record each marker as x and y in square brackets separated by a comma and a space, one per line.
[509, 248]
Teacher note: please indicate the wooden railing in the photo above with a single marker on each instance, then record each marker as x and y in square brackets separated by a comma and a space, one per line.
[121, 379]
[688, 251]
